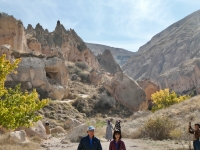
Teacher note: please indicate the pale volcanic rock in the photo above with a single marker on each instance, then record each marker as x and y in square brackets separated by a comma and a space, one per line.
[95, 76]
[159, 59]
[127, 92]
[65, 44]
[12, 33]
[19, 136]
[149, 88]
[108, 63]
[184, 78]
[49, 76]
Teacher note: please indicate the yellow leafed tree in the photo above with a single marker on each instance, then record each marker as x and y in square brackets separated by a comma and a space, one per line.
[17, 108]
[165, 98]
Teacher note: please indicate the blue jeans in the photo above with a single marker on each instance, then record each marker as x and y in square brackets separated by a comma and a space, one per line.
[196, 145]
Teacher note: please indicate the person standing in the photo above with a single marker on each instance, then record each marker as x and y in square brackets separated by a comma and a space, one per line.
[117, 125]
[90, 142]
[47, 129]
[196, 132]
[109, 130]
[117, 143]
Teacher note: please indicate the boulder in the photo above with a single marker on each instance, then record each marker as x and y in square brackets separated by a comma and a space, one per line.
[57, 130]
[19, 136]
[37, 129]
[127, 92]
[76, 134]
[71, 123]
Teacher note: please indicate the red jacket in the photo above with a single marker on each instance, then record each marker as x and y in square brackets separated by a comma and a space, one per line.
[113, 146]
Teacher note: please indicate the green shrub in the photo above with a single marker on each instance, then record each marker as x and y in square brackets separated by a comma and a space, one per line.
[105, 101]
[82, 65]
[85, 77]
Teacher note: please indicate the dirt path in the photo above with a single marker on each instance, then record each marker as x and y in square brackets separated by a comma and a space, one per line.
[131, 144]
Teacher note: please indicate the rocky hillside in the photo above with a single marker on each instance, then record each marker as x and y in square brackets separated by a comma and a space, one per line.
[120, 55]
[170, 58]
[51, 60]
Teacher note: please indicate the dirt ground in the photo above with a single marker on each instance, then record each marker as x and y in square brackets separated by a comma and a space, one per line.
[131, 144]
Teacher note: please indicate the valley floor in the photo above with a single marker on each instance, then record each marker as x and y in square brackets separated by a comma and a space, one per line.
[131, 144]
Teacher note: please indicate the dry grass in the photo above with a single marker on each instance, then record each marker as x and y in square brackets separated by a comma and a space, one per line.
[6, 143]
[181, 113]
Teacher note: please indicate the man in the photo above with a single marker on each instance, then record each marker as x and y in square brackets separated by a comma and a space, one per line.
[196, 132]
[90, 142]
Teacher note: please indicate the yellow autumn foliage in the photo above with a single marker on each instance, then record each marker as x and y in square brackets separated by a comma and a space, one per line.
[17, 108]
[165, 98]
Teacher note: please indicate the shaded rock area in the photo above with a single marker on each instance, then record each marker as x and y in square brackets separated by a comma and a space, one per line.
[108, 63]
[127, 92]
[160, 59]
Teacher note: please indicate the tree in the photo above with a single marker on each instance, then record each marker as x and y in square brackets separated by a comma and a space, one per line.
[165, 98]
[17, 108]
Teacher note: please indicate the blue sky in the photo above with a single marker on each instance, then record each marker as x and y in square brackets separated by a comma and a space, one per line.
[125, 24]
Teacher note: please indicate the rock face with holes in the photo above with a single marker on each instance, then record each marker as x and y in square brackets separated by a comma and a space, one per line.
[12, 33]
[48, 75]
[127, 92]
[108, 63]
[167, 57]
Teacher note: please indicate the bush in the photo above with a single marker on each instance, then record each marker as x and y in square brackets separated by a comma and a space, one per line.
[158, 128]
[176, 134]
[85, 77]
[105, 101]
[80, 104]
[165, 98]
[82, 65]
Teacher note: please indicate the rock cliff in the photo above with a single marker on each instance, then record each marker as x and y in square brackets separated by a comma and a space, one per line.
[120, 55]
[12, 33]
[165, 53]
[65, 44]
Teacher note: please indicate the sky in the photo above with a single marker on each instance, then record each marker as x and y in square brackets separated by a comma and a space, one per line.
[126, 24]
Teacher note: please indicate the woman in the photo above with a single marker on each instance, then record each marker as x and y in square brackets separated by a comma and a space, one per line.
[109, 131]
[117, 143]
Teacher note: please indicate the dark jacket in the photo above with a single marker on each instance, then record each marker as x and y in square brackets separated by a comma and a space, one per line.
[113, 146]
[85, 144]
[195, 132]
